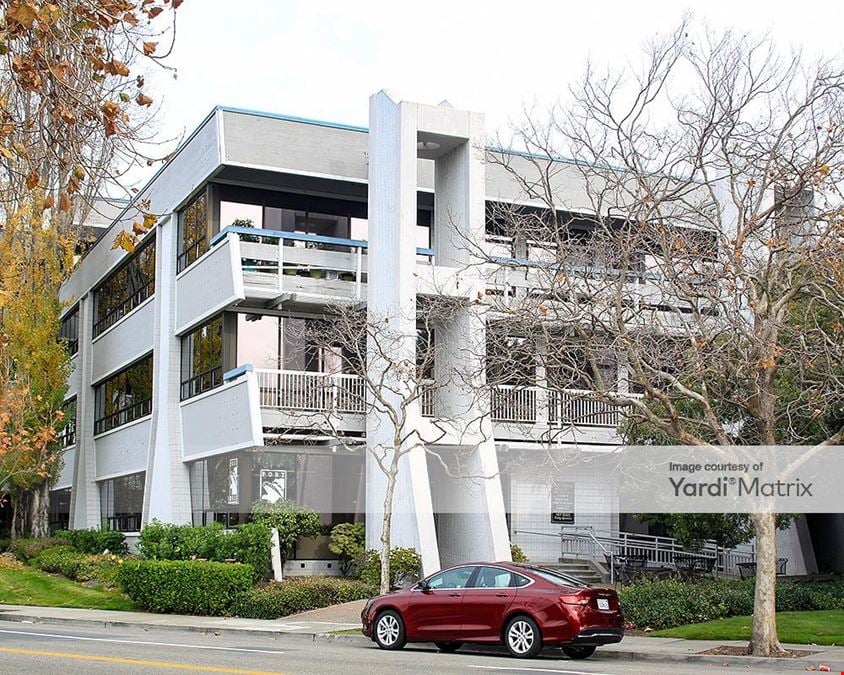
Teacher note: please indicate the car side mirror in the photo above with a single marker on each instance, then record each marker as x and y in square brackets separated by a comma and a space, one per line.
[423, 586]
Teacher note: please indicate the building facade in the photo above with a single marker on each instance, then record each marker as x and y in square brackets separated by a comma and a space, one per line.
[194, 391]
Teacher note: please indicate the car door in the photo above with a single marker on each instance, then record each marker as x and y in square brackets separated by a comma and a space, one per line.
[485, 602]
[433, 612]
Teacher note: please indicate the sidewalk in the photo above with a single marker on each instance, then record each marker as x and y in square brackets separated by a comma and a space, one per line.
[320, 624]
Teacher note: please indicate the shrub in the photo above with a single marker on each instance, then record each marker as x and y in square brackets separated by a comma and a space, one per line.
[517, 554]
[405, 564]
[95, 541]
[671, 602]
[186, 586]
[78, 566]
[249, 544]
[275, 600]
[5, 545]
[290, 519]
[348, 541]
[25, 549]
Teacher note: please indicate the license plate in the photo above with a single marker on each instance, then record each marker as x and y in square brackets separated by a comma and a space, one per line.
[603, 603]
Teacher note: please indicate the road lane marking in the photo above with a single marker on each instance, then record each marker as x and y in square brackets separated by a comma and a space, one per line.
[538, 670]
[142, 642]
[135, 662]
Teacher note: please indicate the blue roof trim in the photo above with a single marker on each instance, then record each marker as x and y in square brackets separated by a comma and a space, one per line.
[292, 118]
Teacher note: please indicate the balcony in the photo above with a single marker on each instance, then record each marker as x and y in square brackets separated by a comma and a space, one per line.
[302, 399]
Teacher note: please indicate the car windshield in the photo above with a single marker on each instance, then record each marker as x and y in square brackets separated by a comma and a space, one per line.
[556, 577]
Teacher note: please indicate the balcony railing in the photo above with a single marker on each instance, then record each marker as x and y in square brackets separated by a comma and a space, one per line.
[311, 392]
[308, 392]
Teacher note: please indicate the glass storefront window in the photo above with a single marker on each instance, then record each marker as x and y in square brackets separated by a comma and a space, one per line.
[122, 501]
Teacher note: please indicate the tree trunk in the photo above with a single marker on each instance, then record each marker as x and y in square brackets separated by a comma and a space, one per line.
[39, 510]
[764, 640]
[386, 533]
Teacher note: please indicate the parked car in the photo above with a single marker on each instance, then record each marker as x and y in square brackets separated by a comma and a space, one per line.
[523, 606]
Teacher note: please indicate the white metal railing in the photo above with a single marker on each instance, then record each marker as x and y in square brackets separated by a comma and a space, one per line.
[311, 392]
[521, 405]
[578, 540]
[514, 404]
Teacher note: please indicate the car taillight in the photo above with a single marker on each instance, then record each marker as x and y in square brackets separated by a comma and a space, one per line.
[575, 599]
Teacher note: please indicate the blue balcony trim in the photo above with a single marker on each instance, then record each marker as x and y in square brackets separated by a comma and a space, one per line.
[237, 372]
[299, 236]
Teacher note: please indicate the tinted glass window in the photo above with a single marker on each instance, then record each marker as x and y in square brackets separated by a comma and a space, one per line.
[127, 288]
[454, 578]
[557, 578]
[492, 577]
[518, 580]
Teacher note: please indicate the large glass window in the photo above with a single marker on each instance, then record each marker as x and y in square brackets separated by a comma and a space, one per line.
[67, 436]
[124, 397]
[127, 288]
[202, 358]
[59, 515]
[69, 331]
[122, 501]
[193, 231]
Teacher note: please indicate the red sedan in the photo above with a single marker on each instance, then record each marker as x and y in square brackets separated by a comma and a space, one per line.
[522, 606]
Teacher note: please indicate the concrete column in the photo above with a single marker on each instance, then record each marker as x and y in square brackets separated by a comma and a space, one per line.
[391, 304]
[85, 495]
[166, 486]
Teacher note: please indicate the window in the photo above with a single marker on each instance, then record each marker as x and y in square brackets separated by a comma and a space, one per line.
[127, 288]
[193, 232]
[59, 509]
[202, 359]
[67, 436]
[69, 331]
[121, 502]
[493, 577]
[124, 397]
[453, 578]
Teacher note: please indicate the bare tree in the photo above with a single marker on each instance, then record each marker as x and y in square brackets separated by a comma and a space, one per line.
[685, 264]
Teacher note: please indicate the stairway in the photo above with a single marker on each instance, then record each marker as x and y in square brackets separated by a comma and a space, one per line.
[580, 568]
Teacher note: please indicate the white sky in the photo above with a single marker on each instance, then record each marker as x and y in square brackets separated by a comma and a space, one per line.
[323, 59]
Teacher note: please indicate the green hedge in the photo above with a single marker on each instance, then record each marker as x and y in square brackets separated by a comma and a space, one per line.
[95, 541]
[25, 549]
[248, 544]
[275, 600]
[671, 602]
[405, 563]
[186, 586]
[78, 566]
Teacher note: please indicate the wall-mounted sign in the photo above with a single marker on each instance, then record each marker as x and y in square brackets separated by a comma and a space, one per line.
[234, 482]
[273, 485]
[562, 503]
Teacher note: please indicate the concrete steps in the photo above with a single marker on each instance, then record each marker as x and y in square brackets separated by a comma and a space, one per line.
[582, 569]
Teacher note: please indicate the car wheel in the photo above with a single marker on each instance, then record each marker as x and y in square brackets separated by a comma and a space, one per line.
[389, 630]
[522, 637]
[579, 652]
[448, 646]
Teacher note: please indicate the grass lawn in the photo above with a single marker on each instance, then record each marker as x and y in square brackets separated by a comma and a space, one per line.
[821, 627]
[27, 586]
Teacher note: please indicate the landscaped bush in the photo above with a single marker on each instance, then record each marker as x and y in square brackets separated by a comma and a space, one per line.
[95, 541]
[405, 564]
[186, 586]
[517, 554]
[278, 599]
[292, 521]
[348, 541]
[25, 549]
[73, 564]
[671, 602]
[249, 544]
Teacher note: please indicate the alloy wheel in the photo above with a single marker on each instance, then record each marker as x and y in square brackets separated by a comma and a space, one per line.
[521, 636]
[388, 630]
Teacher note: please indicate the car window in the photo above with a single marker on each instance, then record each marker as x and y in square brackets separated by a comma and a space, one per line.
[492, 577]
[453, 578]
[557, 578]
[519, 581]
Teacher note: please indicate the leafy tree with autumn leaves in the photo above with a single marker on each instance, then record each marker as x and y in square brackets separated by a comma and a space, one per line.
[74, 119]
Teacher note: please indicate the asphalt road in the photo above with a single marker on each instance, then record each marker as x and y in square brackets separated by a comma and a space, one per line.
[44, 648]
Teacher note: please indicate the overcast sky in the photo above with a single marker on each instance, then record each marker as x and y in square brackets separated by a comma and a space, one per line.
[323, 59]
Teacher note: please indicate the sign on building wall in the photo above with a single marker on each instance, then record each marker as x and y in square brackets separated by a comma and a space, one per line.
[234, 481]
[273, 485]
[562, 503]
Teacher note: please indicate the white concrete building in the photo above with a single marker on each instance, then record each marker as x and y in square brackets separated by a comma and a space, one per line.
[193, 394]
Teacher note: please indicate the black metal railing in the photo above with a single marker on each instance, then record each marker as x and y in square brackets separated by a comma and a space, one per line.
[127, 414]
[122, 309]
[124, 522]
[67, 436]
[202, 382]
[191, 254]
[59, 521]
[228, 519]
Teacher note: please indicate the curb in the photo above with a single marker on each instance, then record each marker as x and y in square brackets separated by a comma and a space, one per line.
[751, 662]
